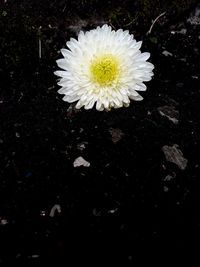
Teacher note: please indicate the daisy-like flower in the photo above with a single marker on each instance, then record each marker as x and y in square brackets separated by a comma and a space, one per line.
[103, 67]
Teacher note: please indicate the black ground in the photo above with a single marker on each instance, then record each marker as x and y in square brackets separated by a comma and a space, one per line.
[131, 198]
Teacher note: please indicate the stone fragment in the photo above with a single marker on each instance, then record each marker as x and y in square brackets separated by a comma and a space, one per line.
[170, 112]
[174, 154]
[116, 134]
[81, 162]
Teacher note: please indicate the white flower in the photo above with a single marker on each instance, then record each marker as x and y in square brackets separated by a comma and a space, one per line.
[104, 67]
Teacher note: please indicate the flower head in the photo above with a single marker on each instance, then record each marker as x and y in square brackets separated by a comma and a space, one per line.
[103, 67]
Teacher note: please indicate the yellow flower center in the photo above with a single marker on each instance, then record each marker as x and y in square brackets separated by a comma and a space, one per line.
[104, 69]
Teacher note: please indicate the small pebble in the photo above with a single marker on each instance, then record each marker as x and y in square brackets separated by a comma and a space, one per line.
[81, 162]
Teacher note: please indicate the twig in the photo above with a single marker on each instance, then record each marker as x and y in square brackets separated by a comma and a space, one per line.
[112, 25]
[39, 43]
[64, 8]
[40, 48]
[55, 208]
[149, 31]
[131, 22]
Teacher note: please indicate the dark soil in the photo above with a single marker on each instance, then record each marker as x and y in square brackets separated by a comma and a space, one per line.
[132, 198]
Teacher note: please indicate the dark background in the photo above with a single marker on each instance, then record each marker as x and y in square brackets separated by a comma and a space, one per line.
[132, 199]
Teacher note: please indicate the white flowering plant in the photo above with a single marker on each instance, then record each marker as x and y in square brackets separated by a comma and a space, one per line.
[104, 68]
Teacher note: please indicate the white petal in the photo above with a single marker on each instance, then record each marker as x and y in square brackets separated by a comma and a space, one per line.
[79, 104]
[147, 78]
[133, 92]
[137, 45]
[117, 102]
[66, 53]
[73, 44]
[70, 98]
[62, 63]
[144, 56]
[136, 98]
[140, 87]
[90, 104]
[63, 90]
[81, 36]
[61, 73]
[99, 105]
[126, 100]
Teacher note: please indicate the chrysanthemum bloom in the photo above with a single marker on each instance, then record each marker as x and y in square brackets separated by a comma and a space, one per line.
[103, 67]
